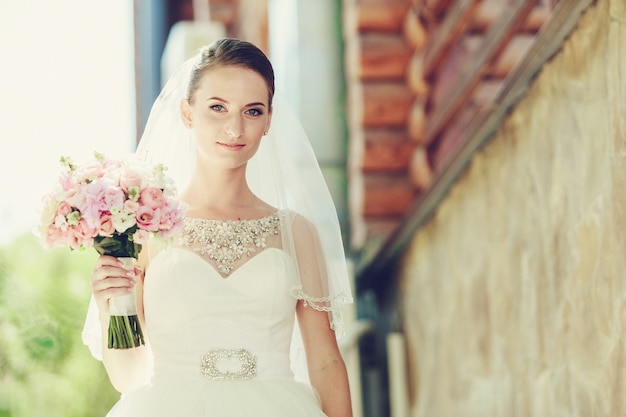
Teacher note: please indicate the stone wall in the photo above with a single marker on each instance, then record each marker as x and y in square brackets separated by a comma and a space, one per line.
[515, 290]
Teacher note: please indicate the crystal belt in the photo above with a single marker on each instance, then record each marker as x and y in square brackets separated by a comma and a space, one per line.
[215, 359]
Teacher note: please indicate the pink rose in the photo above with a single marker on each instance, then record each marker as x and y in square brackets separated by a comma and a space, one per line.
[141, 236]
[148, 219]
[64, 209]
[56, 236]
[111, 164]
[75, 198]
[106, 226]
[131, 206]
[88, 173]
[82, 235]
[130, 178]
[73, 241]
[152, 197]
[84, 230]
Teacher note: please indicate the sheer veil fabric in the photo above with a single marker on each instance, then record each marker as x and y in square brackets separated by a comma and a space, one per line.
[284, 173]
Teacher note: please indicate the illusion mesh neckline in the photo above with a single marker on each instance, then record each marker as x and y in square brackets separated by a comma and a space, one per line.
[226, 243]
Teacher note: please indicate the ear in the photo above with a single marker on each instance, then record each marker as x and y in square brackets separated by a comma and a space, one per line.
[186, 113]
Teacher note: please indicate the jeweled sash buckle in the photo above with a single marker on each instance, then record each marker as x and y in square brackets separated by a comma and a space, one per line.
[211, 358]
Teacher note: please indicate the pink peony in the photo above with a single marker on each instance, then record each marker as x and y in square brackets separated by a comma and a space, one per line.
[100, 197]
[171, 218]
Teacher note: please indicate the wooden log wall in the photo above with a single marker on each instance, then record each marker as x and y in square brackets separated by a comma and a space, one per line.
[418, 74]
[385, 113]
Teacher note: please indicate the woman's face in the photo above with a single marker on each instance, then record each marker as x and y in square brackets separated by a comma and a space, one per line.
[228, 115]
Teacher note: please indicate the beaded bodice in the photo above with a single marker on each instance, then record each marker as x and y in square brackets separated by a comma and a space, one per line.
[229, 243]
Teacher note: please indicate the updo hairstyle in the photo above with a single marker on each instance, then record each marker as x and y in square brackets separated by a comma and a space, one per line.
[231, 52]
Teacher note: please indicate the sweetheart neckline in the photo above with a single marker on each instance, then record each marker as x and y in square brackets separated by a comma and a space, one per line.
[236, 270]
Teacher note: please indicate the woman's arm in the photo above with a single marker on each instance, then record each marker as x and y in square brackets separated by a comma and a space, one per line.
[327, 370]
[127, 368]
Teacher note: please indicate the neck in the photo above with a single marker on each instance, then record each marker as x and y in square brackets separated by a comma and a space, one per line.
[218, 190]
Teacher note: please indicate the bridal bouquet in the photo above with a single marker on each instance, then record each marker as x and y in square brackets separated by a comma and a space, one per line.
[113, 206]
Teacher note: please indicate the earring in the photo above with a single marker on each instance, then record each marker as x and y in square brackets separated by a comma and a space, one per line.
[265, 133]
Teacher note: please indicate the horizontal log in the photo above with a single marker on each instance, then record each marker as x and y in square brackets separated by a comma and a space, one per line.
[387, 195]
[386, 150]
[420, 170]
[380, 56]
[381, 15]
[385, 104]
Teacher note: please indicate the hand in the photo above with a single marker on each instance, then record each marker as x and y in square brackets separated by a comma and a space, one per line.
[109, 279]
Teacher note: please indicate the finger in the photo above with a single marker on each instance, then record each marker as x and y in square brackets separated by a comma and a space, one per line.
[103, 297]
[104, 260]
[108, 271]
[108, 283]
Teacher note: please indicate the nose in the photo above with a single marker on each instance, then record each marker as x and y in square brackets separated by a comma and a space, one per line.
[234, 126]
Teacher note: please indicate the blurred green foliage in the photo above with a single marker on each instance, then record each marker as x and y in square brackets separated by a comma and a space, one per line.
[45, 370]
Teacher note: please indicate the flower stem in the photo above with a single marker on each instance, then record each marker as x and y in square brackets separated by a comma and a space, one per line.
[125, 332]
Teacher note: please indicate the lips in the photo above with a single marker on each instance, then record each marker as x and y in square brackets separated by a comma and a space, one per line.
[231, 146]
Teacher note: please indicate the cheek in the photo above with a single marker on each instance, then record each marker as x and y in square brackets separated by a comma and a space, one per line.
[257, 126]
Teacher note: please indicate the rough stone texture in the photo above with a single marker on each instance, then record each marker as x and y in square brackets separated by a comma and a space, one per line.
[515, 291]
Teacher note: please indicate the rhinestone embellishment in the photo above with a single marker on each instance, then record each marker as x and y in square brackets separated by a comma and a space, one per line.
[227, 241]
[210, 359]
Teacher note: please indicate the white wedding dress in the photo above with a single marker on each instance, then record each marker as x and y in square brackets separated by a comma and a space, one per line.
[192, 309]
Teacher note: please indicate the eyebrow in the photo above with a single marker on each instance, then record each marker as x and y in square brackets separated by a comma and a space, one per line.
[256, 103]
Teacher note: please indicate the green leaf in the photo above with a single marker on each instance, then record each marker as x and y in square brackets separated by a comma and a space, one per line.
[118, 245]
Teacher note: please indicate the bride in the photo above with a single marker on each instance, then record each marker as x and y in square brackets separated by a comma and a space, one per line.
[241, 313]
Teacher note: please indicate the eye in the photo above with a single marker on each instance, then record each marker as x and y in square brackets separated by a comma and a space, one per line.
[254, 112]
[218, 107]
